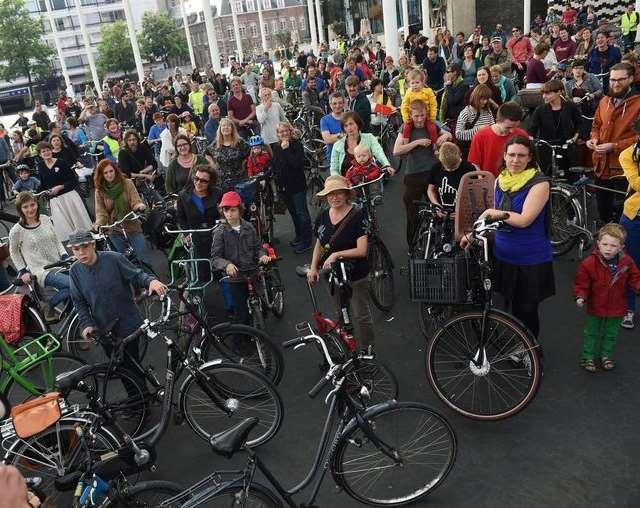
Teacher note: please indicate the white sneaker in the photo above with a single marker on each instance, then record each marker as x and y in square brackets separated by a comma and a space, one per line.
[627, 321]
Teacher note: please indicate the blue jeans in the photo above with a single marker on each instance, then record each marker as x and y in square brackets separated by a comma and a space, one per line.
[297, 206]
[632, 246]
[61, 282]
[137, 241]
[4, 278]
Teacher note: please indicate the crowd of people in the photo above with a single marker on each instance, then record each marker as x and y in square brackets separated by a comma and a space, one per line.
[459, 107]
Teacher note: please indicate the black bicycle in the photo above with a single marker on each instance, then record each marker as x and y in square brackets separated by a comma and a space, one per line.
[483, 363]
[390, 454]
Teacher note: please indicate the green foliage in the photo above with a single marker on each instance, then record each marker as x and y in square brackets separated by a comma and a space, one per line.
[22, 45]
[284, 38]
[115, 53]
[161, 38]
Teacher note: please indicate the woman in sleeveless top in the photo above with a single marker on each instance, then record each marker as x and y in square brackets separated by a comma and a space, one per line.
[522, 265]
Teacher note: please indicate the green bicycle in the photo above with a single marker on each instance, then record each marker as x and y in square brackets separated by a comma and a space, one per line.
[30, 369]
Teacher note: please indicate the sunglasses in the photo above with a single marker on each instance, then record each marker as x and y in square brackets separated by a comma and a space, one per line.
[197, 179]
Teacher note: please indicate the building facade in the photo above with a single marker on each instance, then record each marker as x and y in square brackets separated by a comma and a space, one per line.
[96, 13]
[282, 19]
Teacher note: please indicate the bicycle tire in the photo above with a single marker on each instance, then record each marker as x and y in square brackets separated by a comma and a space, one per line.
[315, 185]
[563, 210]
[43, 376]
[423, 438]
[88, 350]
[248, 391]
[275, 292]
[448, 364]
[150, 493]
[258, 496]
[432, 316]
[123, 396]
[54, 453]
[34, 322]
[257, 317]
[381, 281]
[380, 381]
[246, 345]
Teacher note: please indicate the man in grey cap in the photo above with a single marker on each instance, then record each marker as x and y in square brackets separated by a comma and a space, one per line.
[101, 290]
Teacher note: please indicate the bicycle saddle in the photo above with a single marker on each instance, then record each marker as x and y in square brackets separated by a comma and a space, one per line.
[231, 440]
[580, 169]
[67, 381]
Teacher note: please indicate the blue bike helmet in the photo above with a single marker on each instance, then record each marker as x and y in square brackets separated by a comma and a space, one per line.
[256, 141]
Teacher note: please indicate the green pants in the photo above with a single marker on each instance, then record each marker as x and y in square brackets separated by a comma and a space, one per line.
[597, 327]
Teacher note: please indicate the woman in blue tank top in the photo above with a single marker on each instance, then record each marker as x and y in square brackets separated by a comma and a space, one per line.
[523, 268]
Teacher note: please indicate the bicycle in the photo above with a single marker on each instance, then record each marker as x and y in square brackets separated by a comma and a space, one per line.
[316, 164]
[381, 281]
[483, 363]
[380, 382]
[388, 135]
[390, 454]
[258, 192]
[7, 220]
[266, 292]
[28, 369]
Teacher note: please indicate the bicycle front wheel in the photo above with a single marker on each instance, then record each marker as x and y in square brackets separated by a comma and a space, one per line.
[422, 442]
[381, 283]
[498, 387]
[566, 214]
[245, 393]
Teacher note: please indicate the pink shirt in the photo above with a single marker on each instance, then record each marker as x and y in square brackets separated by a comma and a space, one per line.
[520, 49]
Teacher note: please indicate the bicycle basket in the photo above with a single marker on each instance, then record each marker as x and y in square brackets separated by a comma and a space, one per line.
[247, 191]
[36, 415]
[442, 280]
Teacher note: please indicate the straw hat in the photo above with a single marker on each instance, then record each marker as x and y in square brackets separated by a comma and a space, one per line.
[335, 183]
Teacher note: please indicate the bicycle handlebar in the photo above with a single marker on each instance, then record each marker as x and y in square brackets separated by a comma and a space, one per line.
[189, 231]
[63, 262]
[364, 184]
[132, 215]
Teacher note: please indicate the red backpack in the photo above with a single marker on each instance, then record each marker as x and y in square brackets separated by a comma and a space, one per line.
[12, 326]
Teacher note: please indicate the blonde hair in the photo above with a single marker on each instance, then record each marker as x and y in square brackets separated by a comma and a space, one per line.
[416, 74]
[235, 138]
[417, 104]
[614, 230]
[362, 148]
[449, 155]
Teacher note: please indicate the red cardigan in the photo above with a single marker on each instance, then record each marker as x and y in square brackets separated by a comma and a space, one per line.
[604, 291]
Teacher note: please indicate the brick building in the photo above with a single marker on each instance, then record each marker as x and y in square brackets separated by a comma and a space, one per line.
[279, 16]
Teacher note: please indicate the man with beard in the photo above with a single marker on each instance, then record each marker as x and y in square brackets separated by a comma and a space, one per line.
[137, 162]
[611, 133]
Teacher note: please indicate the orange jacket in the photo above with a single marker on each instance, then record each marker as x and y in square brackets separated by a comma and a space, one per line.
[614, 124]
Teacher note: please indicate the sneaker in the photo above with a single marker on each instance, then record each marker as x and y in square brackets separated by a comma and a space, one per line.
[295, 243]
[627, 321]
[302, 248]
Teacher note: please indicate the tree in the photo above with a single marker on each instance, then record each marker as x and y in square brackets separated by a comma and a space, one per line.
[284, 38]
[22, 46]
[161, 39]
[115, 51]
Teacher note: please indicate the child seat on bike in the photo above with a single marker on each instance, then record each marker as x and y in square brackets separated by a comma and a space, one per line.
[475, 195]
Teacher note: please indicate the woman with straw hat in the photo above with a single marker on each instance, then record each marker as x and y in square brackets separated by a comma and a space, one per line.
[341, 232]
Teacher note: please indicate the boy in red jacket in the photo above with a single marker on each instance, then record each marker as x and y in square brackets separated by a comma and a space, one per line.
[602, 280]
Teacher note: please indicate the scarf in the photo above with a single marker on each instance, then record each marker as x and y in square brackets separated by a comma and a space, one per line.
[510, 184]
[501, 88]
[115, 192]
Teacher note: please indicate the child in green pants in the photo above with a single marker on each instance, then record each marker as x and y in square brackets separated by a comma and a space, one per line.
[601, 281]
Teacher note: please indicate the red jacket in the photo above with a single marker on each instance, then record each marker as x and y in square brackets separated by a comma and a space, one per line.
[257, 164]
[604, 291]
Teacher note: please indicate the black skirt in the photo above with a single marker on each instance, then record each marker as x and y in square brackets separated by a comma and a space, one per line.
[527, 283]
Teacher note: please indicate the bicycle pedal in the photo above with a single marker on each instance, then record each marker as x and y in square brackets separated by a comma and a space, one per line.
[304, 326]
[404, 271]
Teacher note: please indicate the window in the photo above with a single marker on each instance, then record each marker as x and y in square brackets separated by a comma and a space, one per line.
[280, 4]
[274, 25]
[230, 33]
[254, 30]
[283, 25]
[60, 24]
[265, 28]
[201, 17]
[294, 24]
[237, 6]
[266, 4]
[302, 24]
[250, 6]
[73, 62]
[243, 31]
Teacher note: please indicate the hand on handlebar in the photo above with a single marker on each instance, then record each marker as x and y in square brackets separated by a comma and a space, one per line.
[157, 287]
[313, 276]
[231, 269]
[264, 259]
[86, 333]
[329, 261]
[26, 278]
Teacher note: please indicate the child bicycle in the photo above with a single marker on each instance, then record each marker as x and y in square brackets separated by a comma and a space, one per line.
[482, 363]
[390, 454]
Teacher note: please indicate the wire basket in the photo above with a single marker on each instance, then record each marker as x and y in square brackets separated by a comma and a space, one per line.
[446, 280]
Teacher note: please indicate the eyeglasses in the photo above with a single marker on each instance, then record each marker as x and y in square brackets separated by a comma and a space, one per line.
[197, 179]
[514, 31]
[611, 80]
[182, 145]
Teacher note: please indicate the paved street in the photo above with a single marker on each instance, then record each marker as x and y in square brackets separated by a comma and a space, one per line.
[576, 445]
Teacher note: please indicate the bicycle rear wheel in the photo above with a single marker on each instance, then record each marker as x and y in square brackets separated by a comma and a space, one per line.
[245, 345]
[275, 292]
[42, 375]
[506, 381]
[315, 185]
[149, 494]
[57, 452]
[245, 392]
[565, 216]
[381, 283]
[426, 449]
[256, 496]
